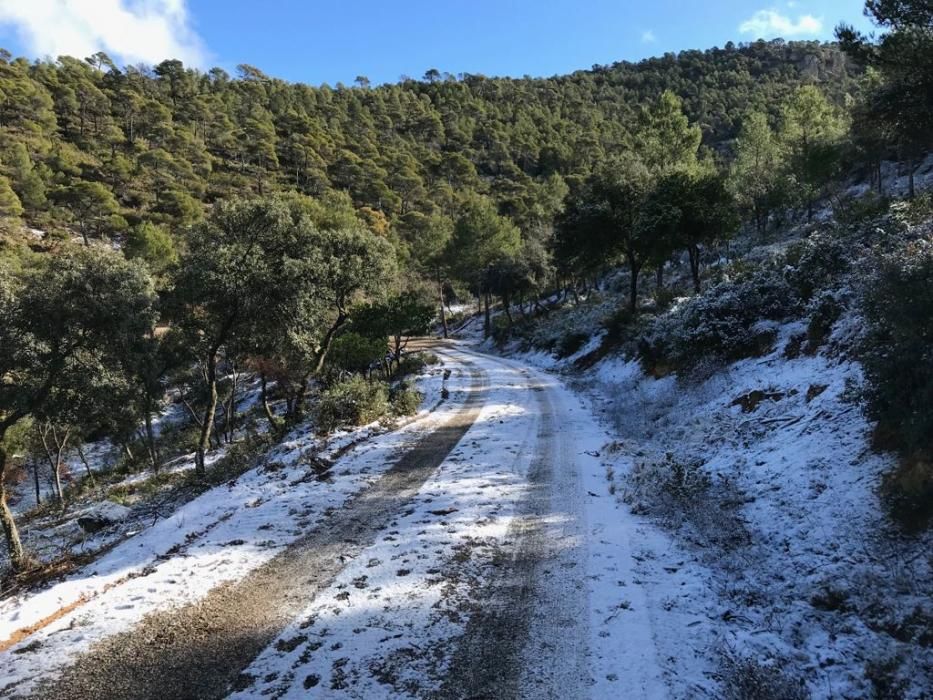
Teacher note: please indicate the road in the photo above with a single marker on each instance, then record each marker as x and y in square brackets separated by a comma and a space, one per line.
[487, 561]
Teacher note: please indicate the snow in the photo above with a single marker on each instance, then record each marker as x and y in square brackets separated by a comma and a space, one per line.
[368, 634]
[790, 513]
[807, 481]
[219, 536]
[401, 593]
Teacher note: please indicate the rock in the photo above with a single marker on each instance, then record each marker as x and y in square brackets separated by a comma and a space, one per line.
[102, 516]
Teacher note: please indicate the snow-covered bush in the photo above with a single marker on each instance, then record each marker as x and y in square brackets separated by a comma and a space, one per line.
[814, 263]
[354, 401]
[744, 678]
[726, 322]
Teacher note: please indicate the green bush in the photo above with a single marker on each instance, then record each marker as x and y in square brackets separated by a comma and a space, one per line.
[825, 309]
[852, 211]
[405, 399]
[897, 348]
[501, 330]
[896, 355]
[413, 363]
[620, 325]
[353, 352]
[907, 492]
[353, 401]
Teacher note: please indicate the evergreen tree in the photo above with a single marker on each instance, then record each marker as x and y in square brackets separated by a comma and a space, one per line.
[811, 132]
[756, 175]
[9, 202]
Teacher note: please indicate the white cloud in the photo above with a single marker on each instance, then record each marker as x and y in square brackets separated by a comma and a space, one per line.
[771, 23]
[648, 37]
[129, 31]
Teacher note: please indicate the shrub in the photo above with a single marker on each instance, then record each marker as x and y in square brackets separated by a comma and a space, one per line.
[683, 495]
[907, 492]
[405, 399]
[353, 401]
[744, 678]
[897, 348]
[851, 211]
[666, 482]
[824, 310]
[815, 262]
[501, 329]
[570, 343]
[619, 325]
[415, 363]
[723, 323]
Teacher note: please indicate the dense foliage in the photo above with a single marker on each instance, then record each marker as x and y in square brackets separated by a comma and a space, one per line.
[98, 146]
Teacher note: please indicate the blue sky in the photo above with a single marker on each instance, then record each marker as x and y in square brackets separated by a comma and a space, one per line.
[315, 41]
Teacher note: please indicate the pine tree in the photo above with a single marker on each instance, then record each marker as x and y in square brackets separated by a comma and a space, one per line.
[756, 174]
[9, 202]
[811, 132]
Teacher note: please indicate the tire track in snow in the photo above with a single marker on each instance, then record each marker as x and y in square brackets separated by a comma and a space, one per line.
[530, 638]
[199, 650]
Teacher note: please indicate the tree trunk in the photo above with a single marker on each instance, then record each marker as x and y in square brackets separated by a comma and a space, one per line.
[634, 268]
[60, 450]
[207, 423]
[694, 253]
[440, 291]
[35, 479]
[231, 408]
[14, 545]
[266, 408]
[328, 340]
[487, 319]
[911, 192]
[53, 463]
[83, 458]
[506, 303]
[659, 277]
[150, 439]
[296, 409]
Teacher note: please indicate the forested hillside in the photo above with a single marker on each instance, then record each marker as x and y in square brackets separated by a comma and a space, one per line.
[94, 146]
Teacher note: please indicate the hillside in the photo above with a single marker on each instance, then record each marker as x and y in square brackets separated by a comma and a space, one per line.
[167, 140]
[789, 554]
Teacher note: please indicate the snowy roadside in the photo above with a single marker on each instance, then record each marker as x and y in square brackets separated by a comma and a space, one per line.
[785, 561]
[220, 536]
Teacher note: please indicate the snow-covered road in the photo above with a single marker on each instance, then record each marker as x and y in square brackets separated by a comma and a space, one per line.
[506, 570]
